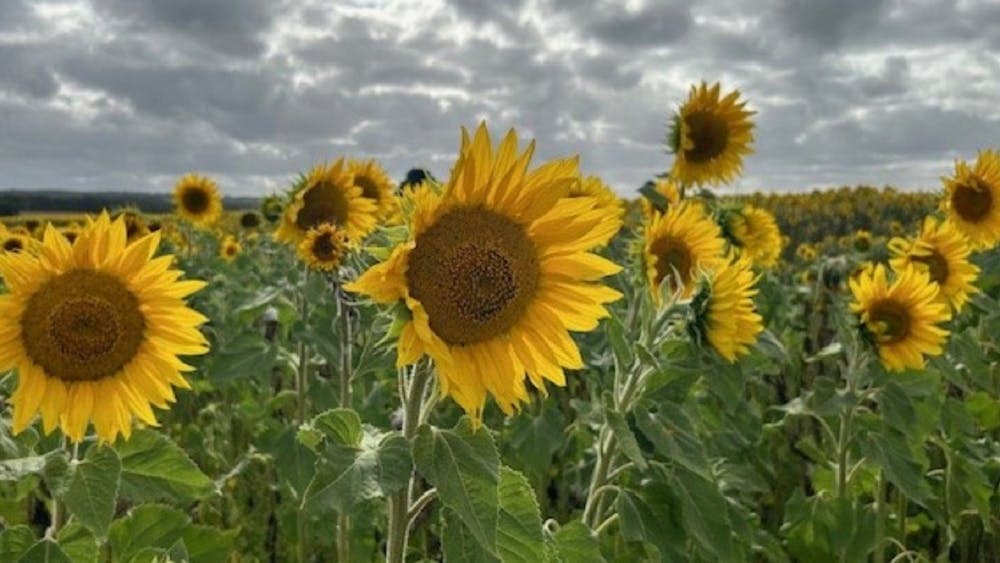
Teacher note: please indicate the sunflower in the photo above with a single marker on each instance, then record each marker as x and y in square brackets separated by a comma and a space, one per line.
[972, 199]
[943, 252]
[664, 187]
[70, 232]
[862, 240]
[250, 220]
[806, 252]
[901, 317]
[677, 244]
[94, 330]
[327, 194]
[135, 226]
[604, 197]
[197, 199]
[229, 249]
[756, 234]
[724, 308]
[710, 137]
[323, 248]
[16, 241]
[496, 272]
[375, 185]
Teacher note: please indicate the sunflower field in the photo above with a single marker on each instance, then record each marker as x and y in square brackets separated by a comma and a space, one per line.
[510, 364]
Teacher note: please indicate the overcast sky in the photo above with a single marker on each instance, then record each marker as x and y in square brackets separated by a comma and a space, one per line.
[130, 94]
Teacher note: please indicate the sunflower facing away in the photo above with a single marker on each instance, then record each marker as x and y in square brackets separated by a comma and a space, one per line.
[95, 330]
[375, 185]
[496, 273]
[943, 252]
[323, 248]
[724, 308]
[197, 199]
[327, 194]
[756, 234]
[677, 244]
[604, 197]
[229, 248]
[902, 317]
[972, 199]
[666, 188]
[710, 137]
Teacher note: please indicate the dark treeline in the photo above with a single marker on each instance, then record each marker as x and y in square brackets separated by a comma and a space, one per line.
[15, 202]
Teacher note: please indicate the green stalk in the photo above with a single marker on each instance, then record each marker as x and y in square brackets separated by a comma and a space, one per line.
[399, 503]
[301, 389]
[881, 513]
[346, 369]
[56, 510]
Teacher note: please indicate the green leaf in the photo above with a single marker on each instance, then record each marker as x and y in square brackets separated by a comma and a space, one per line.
[294, 462]
[890, 451]
[345, 476]
[45, 551]
[575, 543]
[672, 435]
[653, 516]
[147, 525]
[155, 468]
[57, 472]
[93, 490]
[534, 439]
[626, 439]
[394, 463]
[706, 513]
[464, 466]
[78, 543]
[457, 542]
[205, 544]
[15, 541]
[341, 425]
[519, 529]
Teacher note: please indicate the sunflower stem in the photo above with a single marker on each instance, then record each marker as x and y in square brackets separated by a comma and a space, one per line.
[881, 513]
[56, 511]
[346, 368]
[400, 503]
[301, 382]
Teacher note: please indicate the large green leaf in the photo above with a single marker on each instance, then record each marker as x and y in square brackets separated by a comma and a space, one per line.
[626, 438]
[147, 525]
[653, 516]
[395, 464]
[340, 425]
[457, 542]
[534, 438]
[464, 466]
[154, 468]
[14, 541]
[205, 544]
[294, 462]
[78, 542]
[45, 551]
[575, 543]
[93, 490]
[345, 476]
[672, 434]
[706, 513]
[902, 466]
[519, 529]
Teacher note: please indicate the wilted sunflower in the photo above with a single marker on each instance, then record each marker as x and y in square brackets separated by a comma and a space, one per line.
[375, 185]
[197, 199]
[677, 244]
[94, 330]
[724, 309]
[756, 234]
[943, 252]
[901, 317]
[229, 248]
[710, 137]
[972, 199]
[323, 248]
[604, 197]
[327, 194]
[496, 273]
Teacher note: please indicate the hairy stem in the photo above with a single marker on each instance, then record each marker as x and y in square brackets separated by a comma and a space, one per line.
[400, 503]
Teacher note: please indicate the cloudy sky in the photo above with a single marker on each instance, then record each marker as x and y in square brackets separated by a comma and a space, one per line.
[129, 94]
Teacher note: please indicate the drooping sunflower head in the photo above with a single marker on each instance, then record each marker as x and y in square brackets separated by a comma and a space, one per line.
[679, 243]
[902, 318]
[94, 330]
[604, 197]
[710, 136]
[723, 307]
[375, 184]
[324, 247]
[497, 270]
[197, 199]
[250, 220]
[942, 252]
[229, 248]
[327, 194]
[665, 190]
[972, 199]
[756, 235]
[862, 240]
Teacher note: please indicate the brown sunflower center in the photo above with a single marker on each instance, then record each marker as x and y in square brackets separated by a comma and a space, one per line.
[323, 202]
[250, 220]
[324, 247]
[475, 271]
[369, 188]
[673, 260]
[972, 201]
[13, 244]
[195, 200]
[709, 134]
[83, 325]
[937, 266]
[231, 250]
[889, 320]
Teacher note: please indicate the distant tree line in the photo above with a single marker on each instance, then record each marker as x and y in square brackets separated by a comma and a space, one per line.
[16, 202]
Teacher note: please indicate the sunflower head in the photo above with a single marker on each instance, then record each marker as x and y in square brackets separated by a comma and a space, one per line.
[942, 252]
[323, 248]
[902, 317]
[604, 197]
[723, 309]
[972, 199]
[70, 232]
[679, 243]
[666, 193]
[806, 252]
[862, 240]
[755, 233]
[135, 225]
[375, 184]
[13, 242]
[495, 273]
[94, 330]
[710, 136]
[250, 220]
[271, 208]
[197, 199]
[327, 194]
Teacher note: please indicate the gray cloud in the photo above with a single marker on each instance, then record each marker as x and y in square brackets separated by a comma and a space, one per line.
[123, 94]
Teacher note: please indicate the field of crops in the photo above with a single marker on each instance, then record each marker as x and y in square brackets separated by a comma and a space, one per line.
[511, 364]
